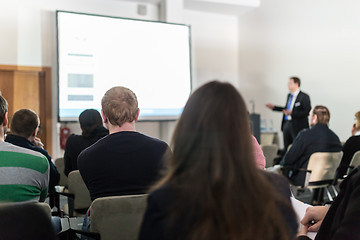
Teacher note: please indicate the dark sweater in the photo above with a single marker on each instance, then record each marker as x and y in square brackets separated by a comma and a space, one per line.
[121, 163]
[23, 142]
[76, 143]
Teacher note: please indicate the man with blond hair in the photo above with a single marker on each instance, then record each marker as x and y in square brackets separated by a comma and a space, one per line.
[125, 162]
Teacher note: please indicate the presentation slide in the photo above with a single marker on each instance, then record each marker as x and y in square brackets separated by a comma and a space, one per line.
[96, 53]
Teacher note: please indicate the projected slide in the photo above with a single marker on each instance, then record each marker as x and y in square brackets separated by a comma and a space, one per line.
[96, 53]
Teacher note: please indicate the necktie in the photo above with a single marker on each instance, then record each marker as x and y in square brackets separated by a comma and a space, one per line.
[289, 105]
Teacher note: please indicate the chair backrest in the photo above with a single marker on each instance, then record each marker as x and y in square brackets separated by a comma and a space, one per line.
[270, 152]
[118, 217]
[355, 161]
[25, 221]
[60, 165]
[323, 167]
[78, 188]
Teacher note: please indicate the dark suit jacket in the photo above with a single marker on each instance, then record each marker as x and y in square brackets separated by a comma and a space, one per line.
[343, 218]
[318, 138]
[156, 219]
[351, 146]
[300, 112]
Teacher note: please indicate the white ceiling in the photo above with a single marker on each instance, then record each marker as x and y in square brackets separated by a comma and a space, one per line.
[232, 7]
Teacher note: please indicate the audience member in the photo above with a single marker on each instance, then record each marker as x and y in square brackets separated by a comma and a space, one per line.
[213, 189]
[319, 138]
[24, 174]
[259, 154]
[92, 128]
[341, 220]
[126, 161]
[295, 112]
[23, 130]
[351, 146]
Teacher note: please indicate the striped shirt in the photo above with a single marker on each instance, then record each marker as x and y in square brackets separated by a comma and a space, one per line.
[24, 174]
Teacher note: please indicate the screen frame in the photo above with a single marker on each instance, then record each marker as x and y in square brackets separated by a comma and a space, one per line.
[141, 119]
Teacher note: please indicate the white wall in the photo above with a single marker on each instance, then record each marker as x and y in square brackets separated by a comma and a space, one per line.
[319, 41]
[30, 39]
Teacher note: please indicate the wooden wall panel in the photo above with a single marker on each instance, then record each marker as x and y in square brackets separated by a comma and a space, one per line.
[29, 87]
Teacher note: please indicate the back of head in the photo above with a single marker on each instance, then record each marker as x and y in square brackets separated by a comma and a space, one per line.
[357, 123]
[214, 169]
[24, 122]
[89, 120]
[322, 113]
[3, 108]
[120, 105]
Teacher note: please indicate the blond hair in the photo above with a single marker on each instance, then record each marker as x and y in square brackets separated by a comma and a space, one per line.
[357, 123]
[120, 105]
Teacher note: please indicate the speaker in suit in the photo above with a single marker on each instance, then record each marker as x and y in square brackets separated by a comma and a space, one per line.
[295, 112]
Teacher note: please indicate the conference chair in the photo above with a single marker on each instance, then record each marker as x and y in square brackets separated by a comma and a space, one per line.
[270, 152]
[30, 221]
[60, 165]
[78, 196]
[355, 161]
[321, 171]
[118, 217]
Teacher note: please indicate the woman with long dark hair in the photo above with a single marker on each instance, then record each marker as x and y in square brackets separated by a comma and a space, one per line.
[213, 189]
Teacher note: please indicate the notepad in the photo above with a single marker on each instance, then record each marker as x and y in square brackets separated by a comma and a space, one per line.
[300, 209]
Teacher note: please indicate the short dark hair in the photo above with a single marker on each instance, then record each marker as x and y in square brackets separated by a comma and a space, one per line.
[24, 122]
[296, 80]
[89, 120]
[322, 113]
[3, 108]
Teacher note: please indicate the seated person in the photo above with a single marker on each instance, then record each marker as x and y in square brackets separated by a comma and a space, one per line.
[213, 189]
[125, 161]
[318, 138]
[92, 128]
[24, 173]
[351, 146]
[341, 220]
[259, 154]
[23, 129]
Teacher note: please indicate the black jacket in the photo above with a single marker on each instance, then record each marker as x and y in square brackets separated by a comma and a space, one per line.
[351, 146]
[318, 138]
[155, 225]
[76, 143]
[300, 112]
[343, 218]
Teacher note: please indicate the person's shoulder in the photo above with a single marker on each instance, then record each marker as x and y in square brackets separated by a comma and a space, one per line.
[152, 140]
[303, 93]
[11, 151]
[281, 183]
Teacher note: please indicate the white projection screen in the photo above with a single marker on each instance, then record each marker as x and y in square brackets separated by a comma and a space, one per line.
[97, 52]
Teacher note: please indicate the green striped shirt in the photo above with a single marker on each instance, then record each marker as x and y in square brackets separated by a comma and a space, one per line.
[24, 174]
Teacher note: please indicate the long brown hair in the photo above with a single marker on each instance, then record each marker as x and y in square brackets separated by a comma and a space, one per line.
[220, 194]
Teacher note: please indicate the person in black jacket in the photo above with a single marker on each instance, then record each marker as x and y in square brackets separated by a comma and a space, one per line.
[341, 220]
[213, 189]
[295, 112]
[351, 146]
[23, 130]
[92, 128]
[318, 138]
